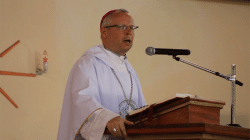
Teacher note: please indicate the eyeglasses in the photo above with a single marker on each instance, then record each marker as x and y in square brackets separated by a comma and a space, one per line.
[123, 27]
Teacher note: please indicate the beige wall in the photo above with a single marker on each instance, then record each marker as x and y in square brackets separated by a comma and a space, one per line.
[216, 33]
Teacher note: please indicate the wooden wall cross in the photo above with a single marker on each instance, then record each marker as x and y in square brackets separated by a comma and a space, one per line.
[12, 73]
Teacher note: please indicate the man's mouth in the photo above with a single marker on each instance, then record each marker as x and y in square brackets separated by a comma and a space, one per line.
[127, 40]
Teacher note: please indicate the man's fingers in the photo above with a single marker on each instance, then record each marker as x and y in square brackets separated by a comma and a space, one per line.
[119, 125]
[111, 131]
[123, 130]
[118, 131]
[128, 122]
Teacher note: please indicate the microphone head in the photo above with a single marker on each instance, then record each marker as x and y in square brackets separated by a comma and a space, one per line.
[150, 51]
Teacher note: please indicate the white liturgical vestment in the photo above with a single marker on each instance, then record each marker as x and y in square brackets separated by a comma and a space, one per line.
[92, 85]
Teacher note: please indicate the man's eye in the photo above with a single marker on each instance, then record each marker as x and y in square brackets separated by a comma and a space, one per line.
[120, 27]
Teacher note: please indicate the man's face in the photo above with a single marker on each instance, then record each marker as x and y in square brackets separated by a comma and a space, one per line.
[119, 40]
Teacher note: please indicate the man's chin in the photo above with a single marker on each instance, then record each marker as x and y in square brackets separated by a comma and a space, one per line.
[127, 48]
[124, 51]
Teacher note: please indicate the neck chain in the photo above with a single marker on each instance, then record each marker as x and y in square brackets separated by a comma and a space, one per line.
[128, 101]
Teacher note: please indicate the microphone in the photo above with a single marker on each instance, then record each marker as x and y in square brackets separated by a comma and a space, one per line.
[152, 51]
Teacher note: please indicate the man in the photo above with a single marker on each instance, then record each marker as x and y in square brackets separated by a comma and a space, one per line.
[102, 87]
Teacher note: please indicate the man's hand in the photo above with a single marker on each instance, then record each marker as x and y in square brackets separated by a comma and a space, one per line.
[117, 124]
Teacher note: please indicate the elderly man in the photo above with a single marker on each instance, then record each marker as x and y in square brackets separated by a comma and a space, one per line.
[102, 86]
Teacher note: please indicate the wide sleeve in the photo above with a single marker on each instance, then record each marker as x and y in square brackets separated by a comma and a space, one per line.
[81, 98]
[95, 125]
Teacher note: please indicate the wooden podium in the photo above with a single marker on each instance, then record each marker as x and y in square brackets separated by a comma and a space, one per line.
[178, 111]
[182, 119]
[188, 131]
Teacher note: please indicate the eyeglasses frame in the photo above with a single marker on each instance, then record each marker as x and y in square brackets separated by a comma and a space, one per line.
[124, 27]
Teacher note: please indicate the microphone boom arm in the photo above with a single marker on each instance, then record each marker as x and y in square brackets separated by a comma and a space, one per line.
[227, 77]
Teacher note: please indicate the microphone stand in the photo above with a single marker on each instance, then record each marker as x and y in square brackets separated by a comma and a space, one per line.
[231, 78]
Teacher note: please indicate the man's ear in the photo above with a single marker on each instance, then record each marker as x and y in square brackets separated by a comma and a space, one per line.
[103, 32]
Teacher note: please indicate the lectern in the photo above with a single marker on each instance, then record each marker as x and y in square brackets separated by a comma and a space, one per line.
[182, 119]
[187, 131]
[178, 111]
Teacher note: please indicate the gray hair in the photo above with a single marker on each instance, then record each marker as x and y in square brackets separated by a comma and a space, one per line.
[108, 19]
